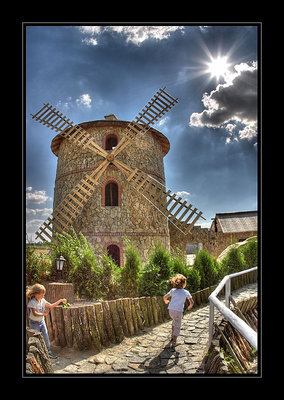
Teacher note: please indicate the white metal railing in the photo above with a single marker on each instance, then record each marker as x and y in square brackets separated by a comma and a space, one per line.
[224, 309]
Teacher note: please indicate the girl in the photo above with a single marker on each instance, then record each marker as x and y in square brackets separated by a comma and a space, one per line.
[178, 295]
[38, 307]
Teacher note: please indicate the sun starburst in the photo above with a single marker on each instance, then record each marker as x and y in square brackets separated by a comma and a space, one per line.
[218, 67]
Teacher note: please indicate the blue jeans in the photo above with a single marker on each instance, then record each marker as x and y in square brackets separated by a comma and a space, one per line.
[40, 326]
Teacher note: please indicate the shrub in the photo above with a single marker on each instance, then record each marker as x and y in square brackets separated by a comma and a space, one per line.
[130, 272]
[207, 268]
[160, 257]
[178, 263]
[73, 247]
[193, 280]
[87, 278]
[250, 253]
[81, 266]
[149, 284]
[156, 273]
[109, 278]
[233, 261]
[37, 266]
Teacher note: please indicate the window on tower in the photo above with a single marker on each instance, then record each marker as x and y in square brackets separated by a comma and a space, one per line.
[114, 253]
[111, 194]
[111, 142]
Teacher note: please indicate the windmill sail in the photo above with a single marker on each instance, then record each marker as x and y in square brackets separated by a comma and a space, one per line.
[179, 213]
[69, 209]
[53, 119]
[160, 103]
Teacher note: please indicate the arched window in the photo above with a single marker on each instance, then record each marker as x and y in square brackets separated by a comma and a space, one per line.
[111, 141]
[111, 194]
[114, 252]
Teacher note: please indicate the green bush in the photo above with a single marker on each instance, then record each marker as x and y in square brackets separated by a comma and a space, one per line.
[156, 273]
[109, 278]
[233, 262]
[130, 272]
[160, 257]
[87, 278]
[207, 268]
[37, 266]
[81, 266]
[178, 263]
[249, 252]
[73, 248]
[149, 283]
[193, 280]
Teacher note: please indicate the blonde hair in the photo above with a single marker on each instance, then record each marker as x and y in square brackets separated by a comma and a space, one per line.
[178, 281]
[35, 289]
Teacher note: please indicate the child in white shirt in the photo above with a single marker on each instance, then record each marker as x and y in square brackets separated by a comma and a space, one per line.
[178, 295]
[38, 307]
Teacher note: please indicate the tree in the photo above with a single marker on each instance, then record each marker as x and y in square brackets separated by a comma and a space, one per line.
[207, 268]
[131, 271]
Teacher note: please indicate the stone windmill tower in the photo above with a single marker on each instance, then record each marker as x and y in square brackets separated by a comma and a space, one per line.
[109, 198]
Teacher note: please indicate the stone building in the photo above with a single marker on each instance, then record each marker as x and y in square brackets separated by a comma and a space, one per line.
[115, 210]
[226, 228]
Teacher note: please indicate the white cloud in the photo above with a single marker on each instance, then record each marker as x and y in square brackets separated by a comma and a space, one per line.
[36, 197]
[162, 121]
[84, 100]
[45, 212]
[64, 104]
[33, 213]
[90, 41]
[135, 34]
[232, 105]
[183, 194]
[34, 224]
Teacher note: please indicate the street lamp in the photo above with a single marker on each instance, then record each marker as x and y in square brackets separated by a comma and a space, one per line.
[59, 267]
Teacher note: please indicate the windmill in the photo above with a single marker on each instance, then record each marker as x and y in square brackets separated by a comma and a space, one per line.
[178, 212]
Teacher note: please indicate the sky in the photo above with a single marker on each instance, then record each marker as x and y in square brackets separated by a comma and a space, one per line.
[87, 72]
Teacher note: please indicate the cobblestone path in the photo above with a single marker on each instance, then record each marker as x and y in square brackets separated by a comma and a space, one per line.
[148, 352]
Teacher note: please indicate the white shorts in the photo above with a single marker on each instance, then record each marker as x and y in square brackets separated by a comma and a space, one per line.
[176, 317]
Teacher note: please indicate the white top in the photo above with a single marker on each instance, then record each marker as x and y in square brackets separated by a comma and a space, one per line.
[39, 306]
[178, 297]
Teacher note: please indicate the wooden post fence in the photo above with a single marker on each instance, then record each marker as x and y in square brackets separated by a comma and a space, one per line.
[102, 324]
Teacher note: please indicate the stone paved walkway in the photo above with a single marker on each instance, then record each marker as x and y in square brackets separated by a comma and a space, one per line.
[148, 352]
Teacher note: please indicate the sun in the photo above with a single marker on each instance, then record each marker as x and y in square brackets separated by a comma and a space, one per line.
[218, 67]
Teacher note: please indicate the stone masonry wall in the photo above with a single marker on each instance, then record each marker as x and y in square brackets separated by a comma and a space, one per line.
[135, 217]
[218, 241]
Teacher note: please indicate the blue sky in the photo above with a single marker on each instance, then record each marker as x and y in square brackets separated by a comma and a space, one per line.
[90, 71]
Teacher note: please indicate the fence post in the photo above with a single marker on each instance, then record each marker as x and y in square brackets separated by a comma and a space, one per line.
[228, 292]
[211, 321]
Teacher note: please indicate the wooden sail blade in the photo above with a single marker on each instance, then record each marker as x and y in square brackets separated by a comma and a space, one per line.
[153, 111]
[69, 209]
[52, 118]
[179, 212]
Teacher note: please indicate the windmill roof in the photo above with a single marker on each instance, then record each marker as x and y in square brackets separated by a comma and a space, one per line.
[242, 221]
[163, 140]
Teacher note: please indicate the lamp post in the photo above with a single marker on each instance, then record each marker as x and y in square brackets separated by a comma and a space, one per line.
[59, 267]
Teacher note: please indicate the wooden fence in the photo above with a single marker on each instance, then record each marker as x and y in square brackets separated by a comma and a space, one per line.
[104, 323]
[234, 346]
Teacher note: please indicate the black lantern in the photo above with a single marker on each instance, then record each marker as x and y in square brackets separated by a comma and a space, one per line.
[59, 267]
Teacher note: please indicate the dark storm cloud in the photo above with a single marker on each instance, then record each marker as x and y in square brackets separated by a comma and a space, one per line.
[236, 100]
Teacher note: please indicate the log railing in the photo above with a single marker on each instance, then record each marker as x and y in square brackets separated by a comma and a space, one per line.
[101, 324]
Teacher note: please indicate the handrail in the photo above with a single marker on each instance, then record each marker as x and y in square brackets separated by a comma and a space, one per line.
[224, 309]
